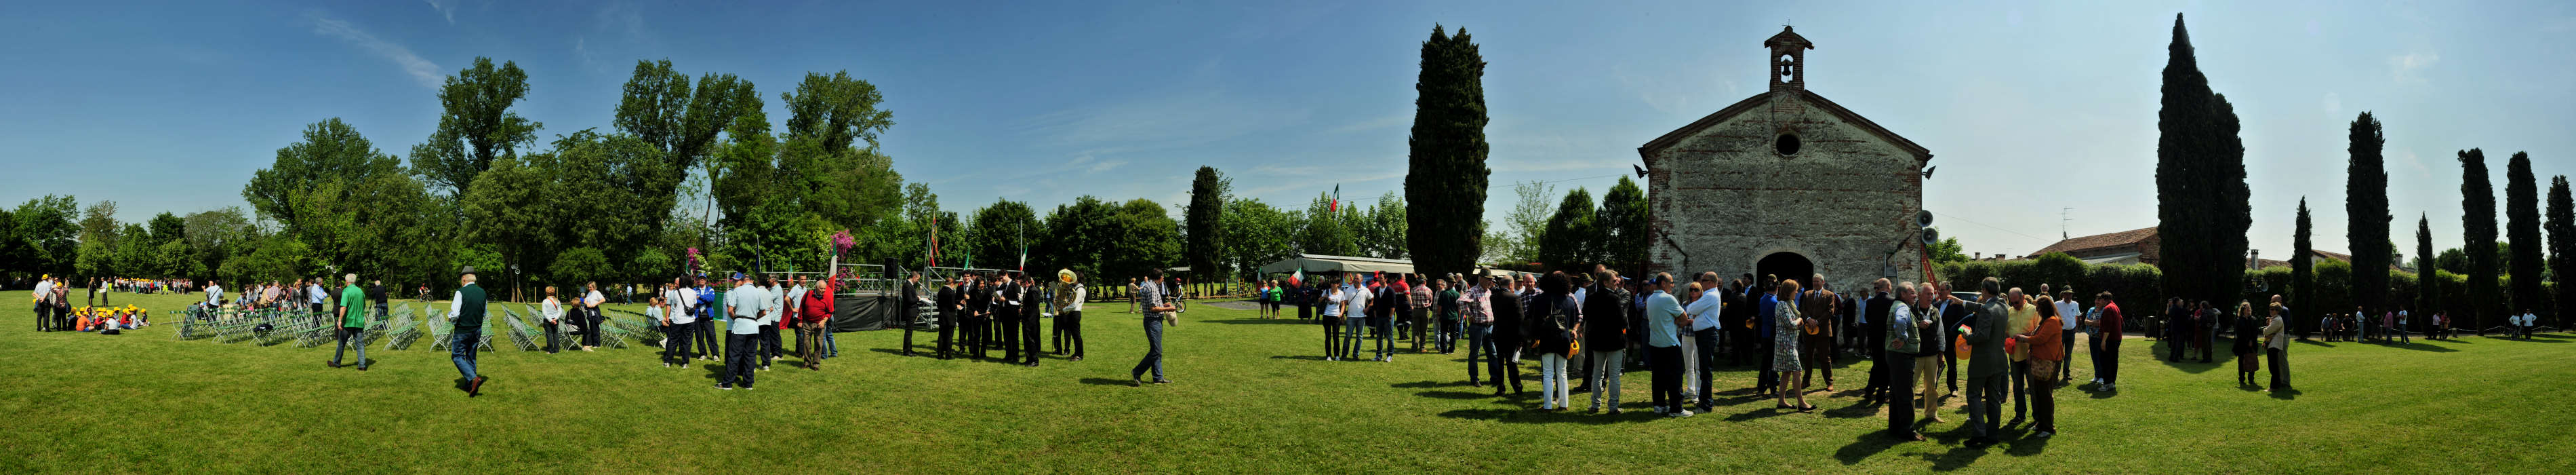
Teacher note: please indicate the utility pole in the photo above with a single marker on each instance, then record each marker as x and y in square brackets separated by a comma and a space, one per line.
[2064, 215]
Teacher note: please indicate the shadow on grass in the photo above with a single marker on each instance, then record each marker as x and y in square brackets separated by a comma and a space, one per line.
[2316, 343]
[2286, 394]
[1763, 413]
[1958, 457]
[1427, 384]
[1261, 321]
[1854, 411]
[1866, 445]
[2162, 353]
[2025, 446]
[1297, 357]
[2423, 347]
[1107, 382]
[1534, 416]
[1455, 394]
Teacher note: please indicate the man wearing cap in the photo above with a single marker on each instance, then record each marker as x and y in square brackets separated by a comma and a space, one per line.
[467, 307]
[744, 303]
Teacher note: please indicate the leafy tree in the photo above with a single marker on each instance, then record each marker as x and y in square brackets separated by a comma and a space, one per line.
[1320, 231]
[1080, 236]
[2428, 297]
[1257, 234]
[1383, 234]
[167, 227]
[1447, 176]
[1528, 218]
[578, 266]
[660, 109]
[46, 235]
[134, 254]
[1624, 227]
[2562, 245]
[2203, 206]
[2366, 206]
[476, 126]
[505, 208]
[96, 256]
[1949, 251]
[215, 237]
[837, 110]
[2522, 207]
[1002, 231]
[2478, 225]
[2303, 281]
[1206, 243]
[1573, 235]
[1148, 239]
[844, 185]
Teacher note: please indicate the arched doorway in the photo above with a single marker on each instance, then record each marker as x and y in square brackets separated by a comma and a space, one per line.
[1786, 265]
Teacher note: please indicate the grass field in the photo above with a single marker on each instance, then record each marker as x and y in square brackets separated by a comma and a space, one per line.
[1251, 396]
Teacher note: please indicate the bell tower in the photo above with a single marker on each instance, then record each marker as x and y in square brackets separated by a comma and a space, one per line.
[1788, 59]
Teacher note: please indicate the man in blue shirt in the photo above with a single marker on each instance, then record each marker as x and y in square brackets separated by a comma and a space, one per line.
[1664, 318]
[1150, 297]
[710, 312]
[1767, 306]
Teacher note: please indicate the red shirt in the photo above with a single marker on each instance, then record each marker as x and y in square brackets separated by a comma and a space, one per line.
[2110, 321]
[818, 304]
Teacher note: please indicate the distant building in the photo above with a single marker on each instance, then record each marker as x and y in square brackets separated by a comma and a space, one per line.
[2135, 246]
[1785, 183]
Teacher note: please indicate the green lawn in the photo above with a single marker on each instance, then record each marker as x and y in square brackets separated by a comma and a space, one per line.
[1251, 396]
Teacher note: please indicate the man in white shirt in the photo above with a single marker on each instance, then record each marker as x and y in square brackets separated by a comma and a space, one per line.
[1355, 317]
[1699, 358]
[44, 312]
[745, 303]
[592, 321]
[2401, 327]
[2069, 311]
[677, 318]
[214, 296]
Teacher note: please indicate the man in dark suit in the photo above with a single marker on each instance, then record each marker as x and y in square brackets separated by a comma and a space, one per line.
[1007, 317]
[911, 301]
[1031, 296]
[979, 299]
[1874, 343]
[1953, 314]
[950, 303]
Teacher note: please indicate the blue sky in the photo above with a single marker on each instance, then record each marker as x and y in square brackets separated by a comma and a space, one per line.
[2028, 107]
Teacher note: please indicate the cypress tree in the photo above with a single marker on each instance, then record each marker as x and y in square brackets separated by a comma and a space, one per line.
[2562, 241]
[2302, 274]
[1206, 241]
[2366, 205]
[2428, 278]
[2203, 207]
[1444, 185]
[2522, 207]
[1572, 236]
[2478, 230]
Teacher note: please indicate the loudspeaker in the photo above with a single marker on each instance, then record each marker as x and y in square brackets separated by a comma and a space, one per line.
[1931, 237]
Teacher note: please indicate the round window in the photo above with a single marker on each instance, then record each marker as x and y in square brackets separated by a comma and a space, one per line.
[1786, 145]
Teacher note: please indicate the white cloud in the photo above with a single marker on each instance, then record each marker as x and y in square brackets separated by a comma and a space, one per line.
[420, 69]
[2334, 103]
[446, 8]
[2407, 68]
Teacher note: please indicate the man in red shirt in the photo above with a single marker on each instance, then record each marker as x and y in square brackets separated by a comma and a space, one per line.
[2106, 356]
[814, 315]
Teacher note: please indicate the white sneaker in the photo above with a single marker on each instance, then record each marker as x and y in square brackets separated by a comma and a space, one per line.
[1683, 413]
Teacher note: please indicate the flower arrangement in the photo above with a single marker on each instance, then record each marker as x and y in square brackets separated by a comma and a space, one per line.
[842, 242]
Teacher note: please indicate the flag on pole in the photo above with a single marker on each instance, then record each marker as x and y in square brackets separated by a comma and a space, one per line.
[1298, 278]
[1024, 246]
[1337, 199]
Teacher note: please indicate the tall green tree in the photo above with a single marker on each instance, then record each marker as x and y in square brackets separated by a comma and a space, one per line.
[47, 236]
[1257, 234]
[216, 236]
[1002, 232]
[1528, 219]
[1573, 234]
[2366, 208]
[1148, 239]
[2522, 208]
[1384, 234]
[166, 227]
[660, 108]
[2203, 204]
[1080, 235]
[1623, 222]
[2478, 225]
[2428, 292]
[1446, 179]
[844, 185]
[1320, 231]
[96, 256]
[1206, 240]
[476, 126]
[2303, 280]
[2562, 246]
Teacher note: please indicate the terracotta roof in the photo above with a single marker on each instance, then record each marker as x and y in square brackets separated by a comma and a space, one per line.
[2096, 241]
[1749, 103]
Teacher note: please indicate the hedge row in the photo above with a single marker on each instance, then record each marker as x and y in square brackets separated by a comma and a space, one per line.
[2138, 290]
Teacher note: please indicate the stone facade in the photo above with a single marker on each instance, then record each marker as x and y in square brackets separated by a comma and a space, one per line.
[1786, 171]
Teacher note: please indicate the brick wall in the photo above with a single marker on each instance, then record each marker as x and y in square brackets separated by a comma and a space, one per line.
[1723, 198]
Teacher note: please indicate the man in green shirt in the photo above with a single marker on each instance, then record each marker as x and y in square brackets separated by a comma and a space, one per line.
[353, 320]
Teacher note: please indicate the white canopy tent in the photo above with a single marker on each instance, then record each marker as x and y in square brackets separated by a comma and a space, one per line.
[1318, 263]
